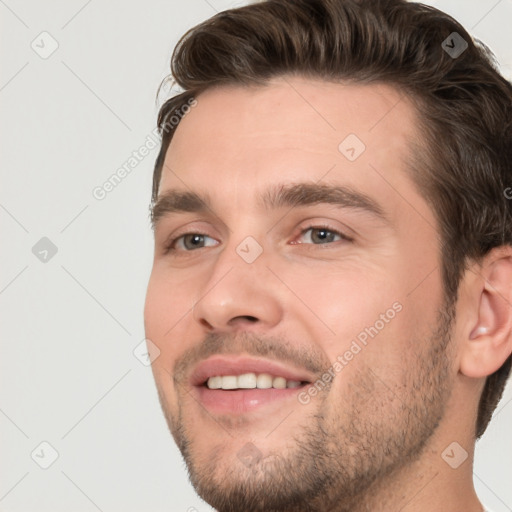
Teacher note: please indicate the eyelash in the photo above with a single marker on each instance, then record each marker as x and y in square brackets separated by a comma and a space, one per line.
[169, 246]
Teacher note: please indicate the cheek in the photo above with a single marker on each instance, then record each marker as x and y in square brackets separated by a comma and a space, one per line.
[168, 299]
[345, 303]
[166, 310]
[164, 307]
[373, 364]
[367, 314]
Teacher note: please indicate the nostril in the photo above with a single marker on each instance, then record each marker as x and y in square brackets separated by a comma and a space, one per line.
[242, 318]
[205, 323]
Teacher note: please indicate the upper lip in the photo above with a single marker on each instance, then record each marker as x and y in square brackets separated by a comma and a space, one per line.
[238, 365]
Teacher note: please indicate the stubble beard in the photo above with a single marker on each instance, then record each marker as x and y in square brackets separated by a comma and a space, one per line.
[340, 458]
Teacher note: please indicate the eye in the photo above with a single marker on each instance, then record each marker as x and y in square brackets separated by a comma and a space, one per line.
[318, 235]
[191, 241]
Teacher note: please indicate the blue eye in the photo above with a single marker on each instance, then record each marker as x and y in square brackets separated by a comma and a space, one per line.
[322, 235]
[313, 235]
[191, 241]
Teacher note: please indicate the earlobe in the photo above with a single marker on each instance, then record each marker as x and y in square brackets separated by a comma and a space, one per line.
[489, 343]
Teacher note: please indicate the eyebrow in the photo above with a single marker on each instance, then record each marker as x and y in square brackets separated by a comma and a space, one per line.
[280, 196]
[176, 201]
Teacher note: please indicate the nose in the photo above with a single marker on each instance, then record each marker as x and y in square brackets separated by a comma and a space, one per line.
[238, 295]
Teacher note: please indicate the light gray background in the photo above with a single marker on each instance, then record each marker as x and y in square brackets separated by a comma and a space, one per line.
[69, 326]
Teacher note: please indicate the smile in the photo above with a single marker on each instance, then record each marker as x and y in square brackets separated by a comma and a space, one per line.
[238, 384]
[251, 381]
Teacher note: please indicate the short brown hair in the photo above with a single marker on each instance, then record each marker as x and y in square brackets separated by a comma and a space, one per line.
[464, 164]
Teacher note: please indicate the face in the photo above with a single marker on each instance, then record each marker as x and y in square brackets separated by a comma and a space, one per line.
[296, 296]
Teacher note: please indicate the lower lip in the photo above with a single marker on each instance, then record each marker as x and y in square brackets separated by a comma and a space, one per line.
[240, 401]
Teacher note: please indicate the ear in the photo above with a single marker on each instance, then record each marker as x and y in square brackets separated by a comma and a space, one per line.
[489, 342]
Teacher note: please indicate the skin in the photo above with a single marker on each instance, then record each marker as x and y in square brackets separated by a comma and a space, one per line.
[374, 438]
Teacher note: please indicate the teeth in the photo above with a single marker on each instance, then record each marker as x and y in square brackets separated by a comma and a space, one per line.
[246, 381]
[279, 383]
[229, 382]
[215, 382]
[250, 381]
[264, 381]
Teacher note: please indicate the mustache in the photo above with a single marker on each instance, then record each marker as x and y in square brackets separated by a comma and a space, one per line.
[251, 344]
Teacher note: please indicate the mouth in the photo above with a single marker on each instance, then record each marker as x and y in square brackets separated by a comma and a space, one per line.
[251, 381]
[237, 385]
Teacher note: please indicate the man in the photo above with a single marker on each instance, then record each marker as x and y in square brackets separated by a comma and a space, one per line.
[332, 282]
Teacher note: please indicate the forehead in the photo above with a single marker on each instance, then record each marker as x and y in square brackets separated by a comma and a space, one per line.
[321, 108]
[293, 129]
